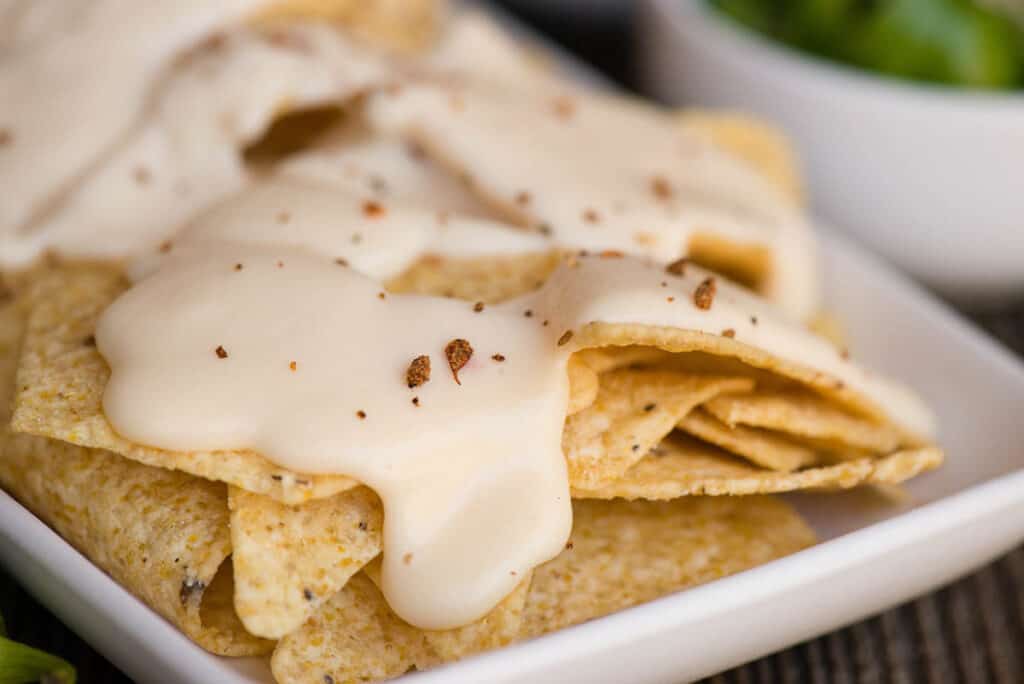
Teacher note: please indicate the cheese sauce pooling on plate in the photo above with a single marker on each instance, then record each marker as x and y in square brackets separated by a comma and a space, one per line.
[451, 412]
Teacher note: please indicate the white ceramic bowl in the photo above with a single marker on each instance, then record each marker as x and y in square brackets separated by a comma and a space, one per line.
[932, 178]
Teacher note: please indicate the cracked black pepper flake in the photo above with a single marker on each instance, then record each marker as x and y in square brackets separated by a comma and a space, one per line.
[704, 295]
[382, 295]
[328, 679]
[373, 209]
[360, 414]
[221, 352]
[728, 332]
[341, 262]
[635, 447]
[283, 217]
[499, 358]
[545, 229]
[661, 188]
[753, 320]
[677, 267]
[277, 478]
[363, 526]
[307, 594]
[415, 401]
[528, 313]
[418, 371]
[239, 267]
[564, 339]
[545, 323]
[591, 216]
[649, 407]
[569, 545]
[478, 307]
[458, 352]
[89, 341]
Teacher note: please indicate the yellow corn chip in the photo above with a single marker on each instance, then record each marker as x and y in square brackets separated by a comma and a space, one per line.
[61, 378]
[684, 467]
[720, 352]
[355, 637]
[633, 411]
[498, 628]
[485, 279]
[622, 554]
[290, 559]
[160, 534]
[583, 385]
[798, 413]
[760, 447]
[756, 142]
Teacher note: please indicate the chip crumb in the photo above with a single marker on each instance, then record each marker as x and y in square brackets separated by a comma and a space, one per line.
[293, 366]
[458, 352]
[382, 295]
[670, 299]
[677, 267]
[478, 307]
[418, 371]
[728, 332]
[498, 357]
[611, 254]
[661, 188]
[361, 414]
[407, 558]
[649, 407]
[704, 295]
[564, 339]
[280, 264]
[221, 352]
[166, 246]
[373, 209]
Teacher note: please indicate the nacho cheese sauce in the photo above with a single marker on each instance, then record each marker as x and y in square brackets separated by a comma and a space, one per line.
[308, 362]
[74, 76]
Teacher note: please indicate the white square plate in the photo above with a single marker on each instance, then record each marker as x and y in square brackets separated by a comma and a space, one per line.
[874, 552]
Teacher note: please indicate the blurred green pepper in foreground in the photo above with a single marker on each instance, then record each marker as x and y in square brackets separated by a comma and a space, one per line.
[955, 42]
[20, 664]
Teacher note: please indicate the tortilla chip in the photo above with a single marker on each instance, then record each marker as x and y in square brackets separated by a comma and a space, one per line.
[61, 378]
[498, 628]
[754, 141]
[583, 385]
[355, 637]
[720, 354]
[685, 467]
[405, 26]
[485, 279]
[288, 560]
[633, 411]
[622, 554]
[760, 447]
[804, 415]
[160, 534]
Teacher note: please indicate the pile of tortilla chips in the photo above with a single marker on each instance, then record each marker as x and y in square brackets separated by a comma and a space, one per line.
[674, 441]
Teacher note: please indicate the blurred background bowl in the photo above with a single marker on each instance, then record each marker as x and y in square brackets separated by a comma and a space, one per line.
[930, 177]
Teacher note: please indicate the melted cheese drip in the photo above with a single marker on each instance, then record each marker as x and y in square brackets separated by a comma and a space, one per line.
[74, 77]
[187, 154]
[304, 361]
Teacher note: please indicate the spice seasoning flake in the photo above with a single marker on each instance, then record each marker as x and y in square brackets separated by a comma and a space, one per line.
[458, 352]
[704, 295]
[418, 372]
